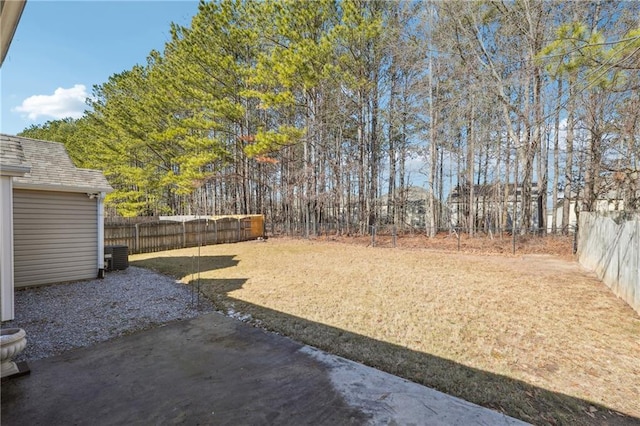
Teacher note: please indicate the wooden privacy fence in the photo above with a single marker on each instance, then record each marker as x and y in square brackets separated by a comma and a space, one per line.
[147, 237]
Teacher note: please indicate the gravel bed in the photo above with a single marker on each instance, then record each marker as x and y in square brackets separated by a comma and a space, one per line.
[66, 316]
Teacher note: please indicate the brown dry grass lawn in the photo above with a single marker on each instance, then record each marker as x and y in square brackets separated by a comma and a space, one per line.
[533, 336]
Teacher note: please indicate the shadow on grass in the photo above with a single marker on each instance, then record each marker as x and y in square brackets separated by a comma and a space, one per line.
[181, 266]
[510, 396]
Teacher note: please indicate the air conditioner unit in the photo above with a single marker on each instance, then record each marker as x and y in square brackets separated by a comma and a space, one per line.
[116, 257]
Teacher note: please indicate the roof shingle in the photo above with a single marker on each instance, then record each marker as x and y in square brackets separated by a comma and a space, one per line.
[51, 167]
[12, 154]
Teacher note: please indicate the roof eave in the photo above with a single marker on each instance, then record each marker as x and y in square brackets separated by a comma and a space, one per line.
[14, 170]
[61, 188]
[9, 18]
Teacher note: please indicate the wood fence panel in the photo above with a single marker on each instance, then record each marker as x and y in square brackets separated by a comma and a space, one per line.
[151, 236]
[119, 234]
[257, 226]
[195, 231]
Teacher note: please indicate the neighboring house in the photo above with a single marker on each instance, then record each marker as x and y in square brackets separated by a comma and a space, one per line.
[416, 206]
[52, 217]
[611, 201]
[489, 203]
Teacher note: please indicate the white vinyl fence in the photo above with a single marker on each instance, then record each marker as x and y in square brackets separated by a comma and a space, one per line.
[609, 245]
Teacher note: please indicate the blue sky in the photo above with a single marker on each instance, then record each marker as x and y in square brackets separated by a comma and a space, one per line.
[62, 48]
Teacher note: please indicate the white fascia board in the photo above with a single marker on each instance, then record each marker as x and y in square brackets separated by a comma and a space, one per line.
[60, 188]
[11, 170]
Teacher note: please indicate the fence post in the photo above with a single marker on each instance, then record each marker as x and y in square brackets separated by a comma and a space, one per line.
[215, 230]
[137, 237]
[373, 235]
[394, 235]
[184, 234]
[238, 240]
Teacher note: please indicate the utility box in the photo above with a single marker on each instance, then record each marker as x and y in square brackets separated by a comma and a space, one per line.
[116, 257]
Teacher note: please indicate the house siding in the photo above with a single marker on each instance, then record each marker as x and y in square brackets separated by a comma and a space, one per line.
[55, 237]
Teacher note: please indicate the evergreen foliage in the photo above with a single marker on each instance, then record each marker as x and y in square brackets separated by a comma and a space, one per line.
[306, 110]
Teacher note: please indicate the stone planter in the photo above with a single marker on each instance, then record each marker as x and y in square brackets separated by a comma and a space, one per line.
[12, 342]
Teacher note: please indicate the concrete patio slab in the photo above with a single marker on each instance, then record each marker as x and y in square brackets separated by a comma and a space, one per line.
[217, 370]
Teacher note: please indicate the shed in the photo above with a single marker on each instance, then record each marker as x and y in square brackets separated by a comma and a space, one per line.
[52, 217]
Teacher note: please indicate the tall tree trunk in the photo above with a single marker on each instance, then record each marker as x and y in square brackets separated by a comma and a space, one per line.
[568, 170]
[375, 154]
[391, 195]
[556, 164]
[506, 188]
[304, 198]
[362, 163]
[402, 191]
[543, 159]
[471, 134]
[592, 174]
[531, 135]
[433, 153]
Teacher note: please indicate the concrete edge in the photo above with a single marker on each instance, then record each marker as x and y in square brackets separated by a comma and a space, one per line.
[389, 399]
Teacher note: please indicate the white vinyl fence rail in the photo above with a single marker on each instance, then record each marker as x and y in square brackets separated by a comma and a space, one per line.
[609, 245]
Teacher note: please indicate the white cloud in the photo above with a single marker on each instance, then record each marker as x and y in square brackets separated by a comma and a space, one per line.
[62, 104]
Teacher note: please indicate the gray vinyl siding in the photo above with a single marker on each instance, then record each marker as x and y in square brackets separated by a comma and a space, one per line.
[55, 237]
